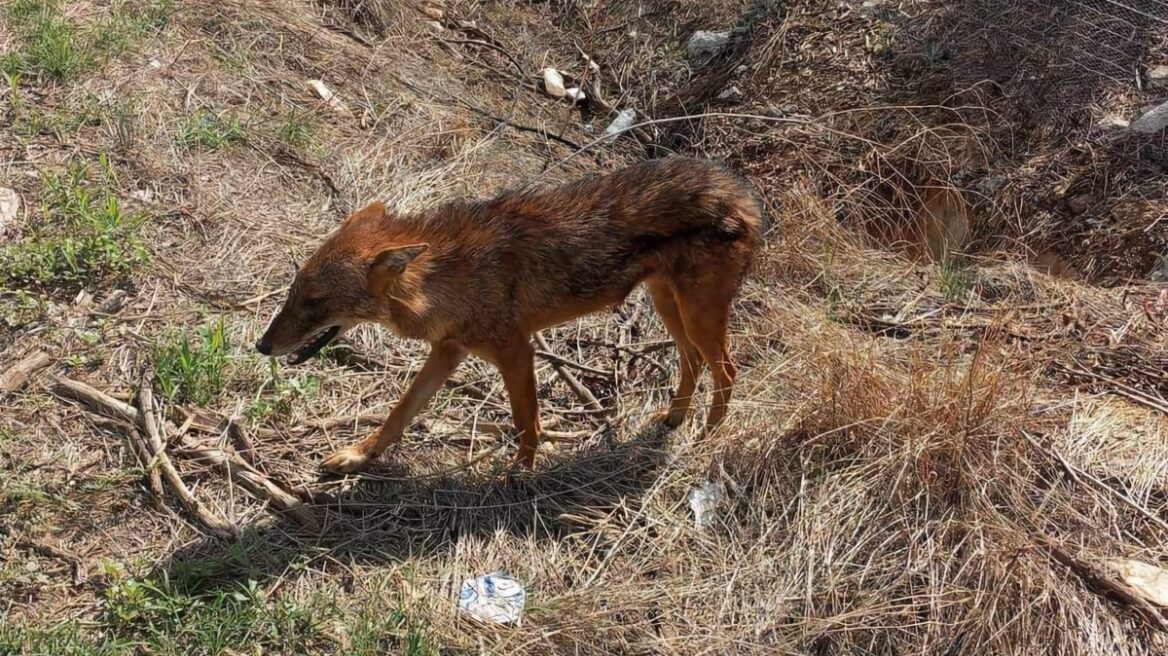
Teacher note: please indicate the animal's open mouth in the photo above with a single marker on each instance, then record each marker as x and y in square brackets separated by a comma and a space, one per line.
[319, 341]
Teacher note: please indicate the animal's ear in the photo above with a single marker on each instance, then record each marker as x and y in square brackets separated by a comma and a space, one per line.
[374, 210]
[390, 262]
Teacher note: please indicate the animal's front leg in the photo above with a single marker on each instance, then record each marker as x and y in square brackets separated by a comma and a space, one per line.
[443, 360]
[516, 363]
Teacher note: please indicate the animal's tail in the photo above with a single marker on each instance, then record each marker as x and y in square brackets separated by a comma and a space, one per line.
[745, 214]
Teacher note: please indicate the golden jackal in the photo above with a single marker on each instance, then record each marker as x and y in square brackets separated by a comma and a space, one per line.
[482, 277]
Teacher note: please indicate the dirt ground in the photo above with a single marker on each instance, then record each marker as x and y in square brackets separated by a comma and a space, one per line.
[950, 432]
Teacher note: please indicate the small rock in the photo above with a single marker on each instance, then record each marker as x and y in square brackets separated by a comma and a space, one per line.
[623, 121]
[731, 94]
[144, 195]
[704, 44]
[9, 208]
[1158, 77]
[154, 63]
[1080, 203]
[435, 25]
[990, 184]
[553, 83]
[575, 94]
[869, 8]
[1152, 121]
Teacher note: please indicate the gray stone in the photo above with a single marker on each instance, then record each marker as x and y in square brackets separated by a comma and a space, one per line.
[731, 94]
[704, 44]
[1158, 77]
[1152, 121]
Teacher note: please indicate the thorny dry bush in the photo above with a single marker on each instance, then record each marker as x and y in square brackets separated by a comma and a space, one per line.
[922, 458]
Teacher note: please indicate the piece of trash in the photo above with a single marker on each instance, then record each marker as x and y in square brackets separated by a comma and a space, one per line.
[623, 121]
[1149, 581]
[575, 94]
[704, 500]
[494, 597]
[9, 208]
[326, 94]
[553, 83]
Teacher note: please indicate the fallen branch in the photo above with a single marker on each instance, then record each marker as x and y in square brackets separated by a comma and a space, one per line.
[162, 461]
[101, 403]
[1099, 579]
[585, 395]
[555, 359]
[155, 456]
[253, 481]
[19, 373]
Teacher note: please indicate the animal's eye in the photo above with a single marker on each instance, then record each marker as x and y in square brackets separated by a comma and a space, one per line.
[313, 303]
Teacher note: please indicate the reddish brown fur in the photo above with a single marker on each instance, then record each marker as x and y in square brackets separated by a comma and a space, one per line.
[482, 277]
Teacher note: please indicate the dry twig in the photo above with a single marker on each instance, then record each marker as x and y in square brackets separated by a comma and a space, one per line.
[585, 395]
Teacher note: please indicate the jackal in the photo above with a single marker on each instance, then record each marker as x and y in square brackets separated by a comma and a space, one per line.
[482, 277]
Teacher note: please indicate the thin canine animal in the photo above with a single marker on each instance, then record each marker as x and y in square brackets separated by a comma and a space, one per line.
[480, 278]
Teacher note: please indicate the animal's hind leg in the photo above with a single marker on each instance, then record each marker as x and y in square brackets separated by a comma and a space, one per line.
[704, 302]
[689, 359]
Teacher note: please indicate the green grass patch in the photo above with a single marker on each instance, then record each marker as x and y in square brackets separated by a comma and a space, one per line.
[156, 617]
[298, 131]
[957, 278]
[192, 369]
[64, 120]
[82, 236]
[276, 402]
[207, 130]
[51, 47]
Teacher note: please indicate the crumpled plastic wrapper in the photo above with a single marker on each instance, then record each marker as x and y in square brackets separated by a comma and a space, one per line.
[704, 501]
[494, 597]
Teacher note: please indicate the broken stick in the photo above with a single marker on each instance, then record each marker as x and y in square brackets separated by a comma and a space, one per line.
[585, 395]
[253, 481]
[162, 461]
[19, 373]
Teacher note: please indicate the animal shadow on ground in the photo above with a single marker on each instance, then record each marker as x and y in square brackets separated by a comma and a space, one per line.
[389, 517]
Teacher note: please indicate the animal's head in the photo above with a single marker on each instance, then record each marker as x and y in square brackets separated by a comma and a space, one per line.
[344, 283]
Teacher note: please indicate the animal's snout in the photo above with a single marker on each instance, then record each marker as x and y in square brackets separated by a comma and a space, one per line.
[263, 346]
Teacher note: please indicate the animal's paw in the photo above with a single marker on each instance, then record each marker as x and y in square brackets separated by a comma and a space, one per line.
[345, 461]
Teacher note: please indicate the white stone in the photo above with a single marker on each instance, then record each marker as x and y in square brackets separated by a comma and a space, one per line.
[553, 83]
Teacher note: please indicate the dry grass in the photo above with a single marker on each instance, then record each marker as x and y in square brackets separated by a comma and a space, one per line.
[914, 453]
